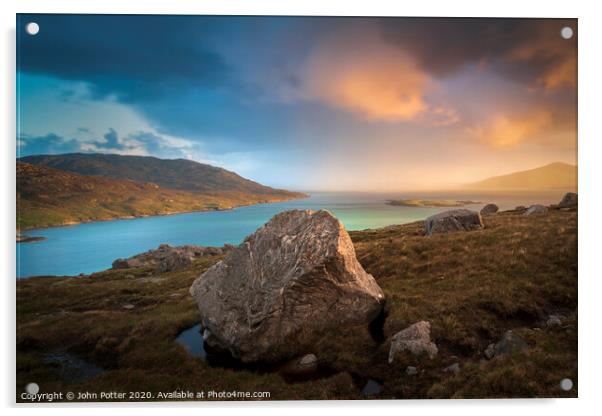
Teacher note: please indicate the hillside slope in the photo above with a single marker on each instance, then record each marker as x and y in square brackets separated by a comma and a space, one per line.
[552, 176]
[49, 197]
[181, 174]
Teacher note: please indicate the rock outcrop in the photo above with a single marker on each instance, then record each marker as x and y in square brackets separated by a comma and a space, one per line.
[536, 210]
[489, 209]
[509, 344]
[274, 296]
[415, 339]
[452, 221]
[568, 200]
[167, 258]
[553, 321]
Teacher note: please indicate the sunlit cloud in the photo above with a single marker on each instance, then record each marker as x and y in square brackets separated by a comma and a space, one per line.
[502, 131]
[378, 82]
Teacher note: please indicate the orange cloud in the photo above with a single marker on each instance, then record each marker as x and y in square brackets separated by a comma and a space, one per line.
[380, 82]
[560, 54]
[503, 131]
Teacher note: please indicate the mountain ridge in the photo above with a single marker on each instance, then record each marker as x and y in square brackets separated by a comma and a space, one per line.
[180, 174]
[48, 197]
[557, 175]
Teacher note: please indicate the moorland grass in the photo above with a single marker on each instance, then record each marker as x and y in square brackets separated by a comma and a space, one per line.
[471, 287]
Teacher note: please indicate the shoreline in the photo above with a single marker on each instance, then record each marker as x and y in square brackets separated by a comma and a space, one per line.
[134, 217]
[365, 230]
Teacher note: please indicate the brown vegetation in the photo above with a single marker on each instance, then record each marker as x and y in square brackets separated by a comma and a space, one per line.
[471, 286]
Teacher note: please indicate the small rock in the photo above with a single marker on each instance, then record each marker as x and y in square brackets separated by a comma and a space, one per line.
[568, 200]
[305, 365]
[453, 221]
[415, 339]
[509, 343]
[309, 361]
[490, 351]
[454, 368]
[553, 320]
[128, 306]
[206, 334]
[489, 209]
[536, 210]
[371, 388]
[410, 370]
[520, 208]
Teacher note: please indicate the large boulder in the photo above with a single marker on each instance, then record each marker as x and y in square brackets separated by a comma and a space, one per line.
[568, 200]
[167, 258]
[452, 221]
[536, 210]
[489, 209]
[415, 339]
[284, 287]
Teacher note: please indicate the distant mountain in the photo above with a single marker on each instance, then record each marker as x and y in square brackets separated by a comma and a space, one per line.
[49, 197]
[553, 176]
[180, 174]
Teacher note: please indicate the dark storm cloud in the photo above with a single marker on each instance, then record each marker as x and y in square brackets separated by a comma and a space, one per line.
[49, 144]
[111, 141]
[523, 49]
[135, 57]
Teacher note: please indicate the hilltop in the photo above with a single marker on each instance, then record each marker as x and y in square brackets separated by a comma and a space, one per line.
[181, 174]
[553, 176]
[48, 197]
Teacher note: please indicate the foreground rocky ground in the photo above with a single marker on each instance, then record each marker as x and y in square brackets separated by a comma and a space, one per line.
[519, 273]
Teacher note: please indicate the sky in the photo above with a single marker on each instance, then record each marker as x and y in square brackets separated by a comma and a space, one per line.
[304, 103]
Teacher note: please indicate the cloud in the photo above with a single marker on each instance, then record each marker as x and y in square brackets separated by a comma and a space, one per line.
[502, 131]
[137, 143]
[48, 144]
[135, 58]
[378, 82]
[111, 141]
[530, 51]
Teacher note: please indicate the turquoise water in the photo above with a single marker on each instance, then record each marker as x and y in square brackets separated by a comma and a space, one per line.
[91, 247]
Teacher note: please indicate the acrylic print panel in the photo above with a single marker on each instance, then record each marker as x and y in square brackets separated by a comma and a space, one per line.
[291, 208]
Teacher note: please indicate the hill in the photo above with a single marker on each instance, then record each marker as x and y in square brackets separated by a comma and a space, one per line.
[553, 176]
[49, 197]
[181, 174]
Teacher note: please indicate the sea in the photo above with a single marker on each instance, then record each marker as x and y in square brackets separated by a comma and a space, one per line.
[92, 247]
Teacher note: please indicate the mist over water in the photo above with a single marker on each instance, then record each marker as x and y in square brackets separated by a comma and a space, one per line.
[91, 247]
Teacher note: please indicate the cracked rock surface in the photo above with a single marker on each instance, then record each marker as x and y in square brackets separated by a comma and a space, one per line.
[286, 285]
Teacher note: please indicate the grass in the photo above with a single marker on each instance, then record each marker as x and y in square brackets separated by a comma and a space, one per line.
[49, 197]
[472, 287]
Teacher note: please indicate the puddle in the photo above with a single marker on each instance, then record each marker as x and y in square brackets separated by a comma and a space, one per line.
[192, 340]
[371, 388]
[73, 368]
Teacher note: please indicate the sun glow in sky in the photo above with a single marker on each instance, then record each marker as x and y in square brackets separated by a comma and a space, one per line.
[380, 104]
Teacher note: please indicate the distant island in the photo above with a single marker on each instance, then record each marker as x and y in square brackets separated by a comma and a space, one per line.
[552, 176]
[425, 203]
[54, 190]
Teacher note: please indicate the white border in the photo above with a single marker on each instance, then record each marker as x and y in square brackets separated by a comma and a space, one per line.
[590, 70]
